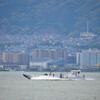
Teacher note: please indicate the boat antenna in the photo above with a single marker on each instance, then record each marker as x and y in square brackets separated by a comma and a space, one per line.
[51, 70]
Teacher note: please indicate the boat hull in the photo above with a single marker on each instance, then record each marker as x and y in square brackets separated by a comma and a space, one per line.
[51, 78]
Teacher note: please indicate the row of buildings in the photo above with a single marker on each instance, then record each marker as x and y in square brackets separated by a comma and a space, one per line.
[43, 58]
[53, 53]
[88, 58]
[14, 60]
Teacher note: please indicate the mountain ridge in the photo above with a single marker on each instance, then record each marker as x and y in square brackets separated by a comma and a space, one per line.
[63, 17]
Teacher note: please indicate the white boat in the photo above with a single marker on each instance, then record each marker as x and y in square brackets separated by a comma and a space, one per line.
[74, 75]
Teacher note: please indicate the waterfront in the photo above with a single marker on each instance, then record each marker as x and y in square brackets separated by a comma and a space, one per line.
[13, 86]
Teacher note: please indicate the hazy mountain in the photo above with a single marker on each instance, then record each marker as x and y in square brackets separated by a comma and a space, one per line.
[49, 16]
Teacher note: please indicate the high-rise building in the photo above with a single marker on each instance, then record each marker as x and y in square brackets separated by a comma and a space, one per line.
[53, 54]
[24, 59]
[10, 57]
[20, 59]
[88, 58]
[1, 60]
[71, 59]
[78, 58]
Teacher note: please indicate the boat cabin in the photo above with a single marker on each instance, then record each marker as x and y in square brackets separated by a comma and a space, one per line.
[75, 72]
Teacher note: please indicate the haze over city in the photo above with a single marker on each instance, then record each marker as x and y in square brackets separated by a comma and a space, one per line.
[58, 33]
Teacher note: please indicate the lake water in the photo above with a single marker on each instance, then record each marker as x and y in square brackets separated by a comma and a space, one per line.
[13, 86]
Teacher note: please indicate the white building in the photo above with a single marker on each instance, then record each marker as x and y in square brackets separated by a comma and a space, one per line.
[40, 62]
[86, 34]
[88, 58]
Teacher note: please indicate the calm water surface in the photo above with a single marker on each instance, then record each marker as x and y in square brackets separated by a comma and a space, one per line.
[13, 86]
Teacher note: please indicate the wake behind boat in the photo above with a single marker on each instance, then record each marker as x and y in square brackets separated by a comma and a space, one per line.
[74, 75]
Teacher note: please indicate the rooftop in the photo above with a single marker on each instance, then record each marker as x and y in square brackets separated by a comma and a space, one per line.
[41, 60]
